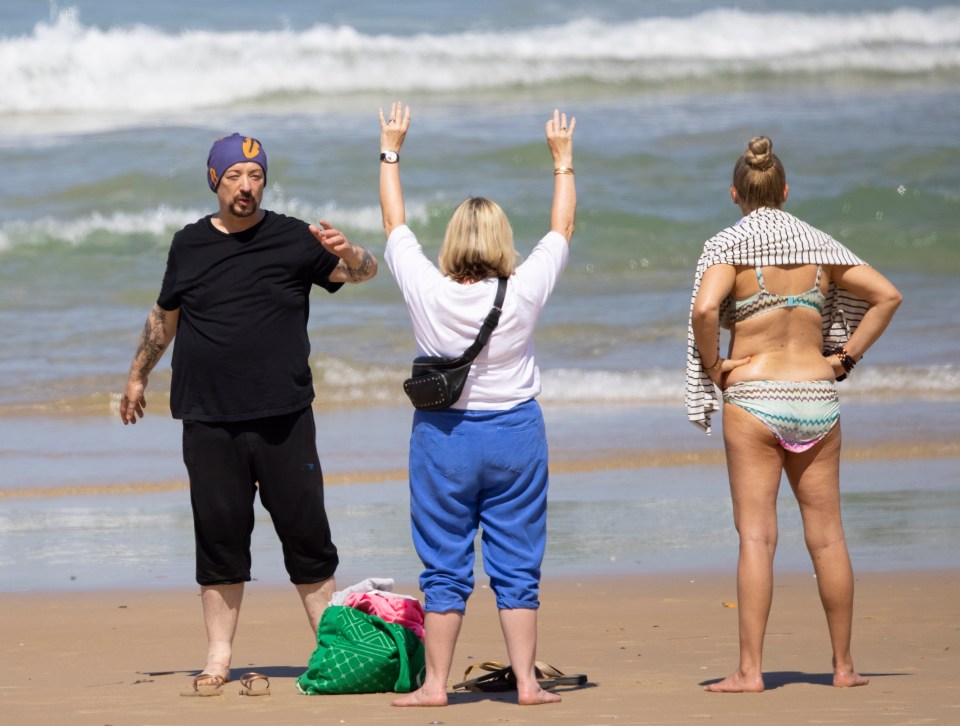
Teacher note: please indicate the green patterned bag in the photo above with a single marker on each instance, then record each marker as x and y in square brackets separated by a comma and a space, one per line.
[361, 653]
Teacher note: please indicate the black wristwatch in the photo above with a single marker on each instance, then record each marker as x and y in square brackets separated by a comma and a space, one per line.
[390, 157]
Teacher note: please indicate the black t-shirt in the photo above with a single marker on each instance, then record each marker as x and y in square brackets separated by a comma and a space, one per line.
[241, 349]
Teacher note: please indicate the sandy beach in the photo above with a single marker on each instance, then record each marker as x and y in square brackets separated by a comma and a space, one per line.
[109, 110]
[648, 644]
[638, 589]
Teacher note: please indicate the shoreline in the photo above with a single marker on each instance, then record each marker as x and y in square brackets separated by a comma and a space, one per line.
[647, 643]
[66, 456]
[613, 511]
[561, 463]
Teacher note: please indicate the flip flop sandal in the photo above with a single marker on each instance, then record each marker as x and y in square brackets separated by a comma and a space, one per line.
[500, 678]
[254, 684]
[495, 671]
[558, 677]
[206, 684]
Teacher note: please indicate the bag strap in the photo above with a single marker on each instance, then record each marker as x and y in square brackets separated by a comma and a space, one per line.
[489, 323]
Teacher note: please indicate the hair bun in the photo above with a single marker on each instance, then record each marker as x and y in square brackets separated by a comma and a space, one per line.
[759, 153]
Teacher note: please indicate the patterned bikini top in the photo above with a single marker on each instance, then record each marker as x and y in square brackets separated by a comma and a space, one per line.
[765, 301]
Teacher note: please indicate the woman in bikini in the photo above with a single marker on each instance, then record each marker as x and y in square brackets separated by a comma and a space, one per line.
[802, 310]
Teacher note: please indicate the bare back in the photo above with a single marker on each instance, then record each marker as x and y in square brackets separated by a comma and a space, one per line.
[783, 339]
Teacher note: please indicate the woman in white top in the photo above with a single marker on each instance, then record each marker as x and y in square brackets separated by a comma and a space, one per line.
[483, 461]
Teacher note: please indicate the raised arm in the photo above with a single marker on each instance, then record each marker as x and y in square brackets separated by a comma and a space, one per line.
[157, 333]
[392, 133]
[560, 141]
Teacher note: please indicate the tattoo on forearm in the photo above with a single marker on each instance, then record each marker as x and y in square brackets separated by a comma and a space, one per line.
[361, 271]
[153, 340]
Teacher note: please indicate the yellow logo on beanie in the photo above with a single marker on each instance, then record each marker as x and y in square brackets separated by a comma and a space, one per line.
[251, 147]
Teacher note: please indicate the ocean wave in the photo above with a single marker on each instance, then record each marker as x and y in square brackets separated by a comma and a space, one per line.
[98, 229]
[80, 231]
[66, 66]
[362, 384]
[903, 237]
[341, 382]
[666, 387]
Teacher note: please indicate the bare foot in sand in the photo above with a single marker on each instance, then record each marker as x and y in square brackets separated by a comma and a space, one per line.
[421, 697]
[536, 696]
[206, 678]
[215, 673]
[848, 678]
[737, 682]
[209, 681]
[218, 666]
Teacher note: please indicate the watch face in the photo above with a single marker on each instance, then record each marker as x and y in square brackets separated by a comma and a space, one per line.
[390, 157]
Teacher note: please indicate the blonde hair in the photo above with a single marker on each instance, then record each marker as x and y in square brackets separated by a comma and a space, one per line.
[478, 243]
[758, 175]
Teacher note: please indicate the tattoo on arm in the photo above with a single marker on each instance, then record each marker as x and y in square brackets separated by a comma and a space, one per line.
[363, 271]
[153, 340]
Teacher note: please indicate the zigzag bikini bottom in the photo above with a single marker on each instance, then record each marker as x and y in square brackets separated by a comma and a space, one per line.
[799, 413]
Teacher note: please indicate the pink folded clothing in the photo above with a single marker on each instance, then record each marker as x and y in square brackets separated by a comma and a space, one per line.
[405, 611]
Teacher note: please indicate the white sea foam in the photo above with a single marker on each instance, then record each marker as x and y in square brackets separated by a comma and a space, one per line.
[163, 221]
[362, 383]
[66, 66]
[666, 387]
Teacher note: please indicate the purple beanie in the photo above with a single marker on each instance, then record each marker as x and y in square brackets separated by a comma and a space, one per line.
[230, 150]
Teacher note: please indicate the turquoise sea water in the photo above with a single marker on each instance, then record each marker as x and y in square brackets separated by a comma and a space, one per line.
[109, 109]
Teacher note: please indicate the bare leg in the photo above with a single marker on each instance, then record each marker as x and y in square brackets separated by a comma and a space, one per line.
[221, 611]
[754, 465]
[440, 638]
[520, 633]
[315, 597]
[815, 478]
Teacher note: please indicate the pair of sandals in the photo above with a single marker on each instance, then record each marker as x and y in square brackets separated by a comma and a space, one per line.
[208, 684]
[500, 678]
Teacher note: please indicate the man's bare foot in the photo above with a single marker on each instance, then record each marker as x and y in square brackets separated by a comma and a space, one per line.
[218, 667]
[211, 679]
[421, 697]
[536, 696]
[218, 660]
[206, 683]
[737, 682]
[848, 678]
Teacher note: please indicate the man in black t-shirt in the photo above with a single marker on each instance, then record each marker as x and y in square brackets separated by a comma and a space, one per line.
[236, 294]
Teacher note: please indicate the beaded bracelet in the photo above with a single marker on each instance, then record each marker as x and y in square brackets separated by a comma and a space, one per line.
[846, 360]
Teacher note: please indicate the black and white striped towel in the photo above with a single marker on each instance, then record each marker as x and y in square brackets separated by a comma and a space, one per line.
[769, 237]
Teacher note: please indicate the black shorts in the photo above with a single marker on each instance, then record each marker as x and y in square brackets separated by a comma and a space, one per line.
[227, 463]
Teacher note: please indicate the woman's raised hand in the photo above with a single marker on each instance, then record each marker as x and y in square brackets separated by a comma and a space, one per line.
[394, 129]
[560, 138]
[392, 132]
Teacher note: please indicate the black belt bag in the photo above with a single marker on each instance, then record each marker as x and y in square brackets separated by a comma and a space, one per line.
[436, 382]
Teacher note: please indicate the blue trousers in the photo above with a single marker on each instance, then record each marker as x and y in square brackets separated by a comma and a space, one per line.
[473, 469]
